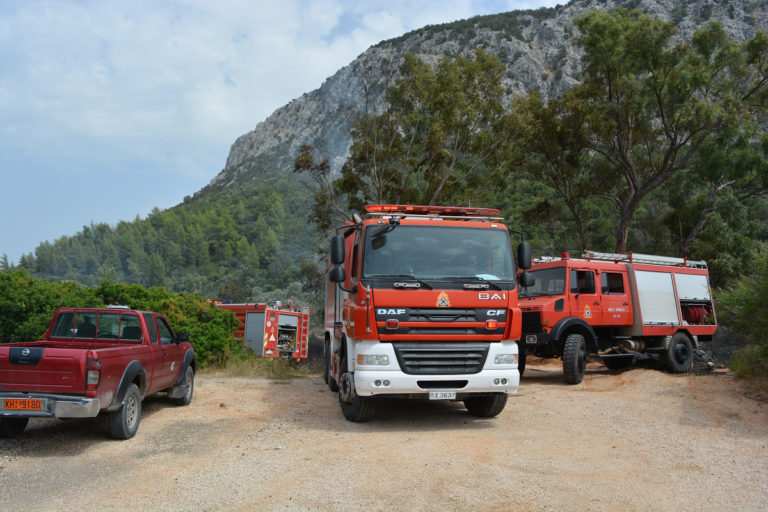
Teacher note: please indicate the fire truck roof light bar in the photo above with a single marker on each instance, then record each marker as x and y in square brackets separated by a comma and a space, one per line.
[452, 211]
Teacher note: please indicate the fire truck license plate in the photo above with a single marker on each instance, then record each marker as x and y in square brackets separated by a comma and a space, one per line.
[442, 395]
[23, 404]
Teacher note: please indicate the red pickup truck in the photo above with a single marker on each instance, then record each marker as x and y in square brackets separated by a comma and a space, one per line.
[91, 361]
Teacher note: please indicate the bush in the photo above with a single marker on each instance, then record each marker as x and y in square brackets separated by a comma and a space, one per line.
[744, 309]
[27, 305]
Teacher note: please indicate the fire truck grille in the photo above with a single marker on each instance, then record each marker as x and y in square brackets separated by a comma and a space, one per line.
[439, 358]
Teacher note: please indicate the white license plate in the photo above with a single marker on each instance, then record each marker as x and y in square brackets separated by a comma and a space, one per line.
[442, 395]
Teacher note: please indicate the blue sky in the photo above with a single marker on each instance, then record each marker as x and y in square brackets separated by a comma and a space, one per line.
[110, 108]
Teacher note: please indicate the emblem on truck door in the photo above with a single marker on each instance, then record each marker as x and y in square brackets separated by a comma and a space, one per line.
[443, 301]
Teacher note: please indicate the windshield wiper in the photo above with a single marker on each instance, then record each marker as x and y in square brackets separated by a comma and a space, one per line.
[419, 283]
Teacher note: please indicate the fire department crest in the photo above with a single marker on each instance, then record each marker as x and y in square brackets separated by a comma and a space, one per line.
[443, 301]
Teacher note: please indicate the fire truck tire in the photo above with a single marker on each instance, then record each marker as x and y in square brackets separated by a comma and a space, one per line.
[12, 427]
[521, 358]
[326, 361]
[332, 384]
[574, 358]
[486, 406]
[679, 355]
[361, 408]
[124, 422]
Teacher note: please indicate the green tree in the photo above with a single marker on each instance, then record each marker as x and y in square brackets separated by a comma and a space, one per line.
[436, 141]
[654, 104]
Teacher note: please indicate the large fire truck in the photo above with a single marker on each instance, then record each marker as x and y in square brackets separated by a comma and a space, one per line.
[618, 309]
[272, 329]
[421, 302]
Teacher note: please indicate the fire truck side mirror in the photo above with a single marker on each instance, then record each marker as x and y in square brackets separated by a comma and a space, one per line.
[337, 275]
[527, 279]
[524, 255]
[337, 251]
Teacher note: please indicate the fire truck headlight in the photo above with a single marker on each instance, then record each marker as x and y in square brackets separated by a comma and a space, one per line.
[373, 359]
[505, 359]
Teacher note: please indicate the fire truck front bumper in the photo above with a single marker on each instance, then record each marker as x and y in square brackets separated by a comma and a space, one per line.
[377, 372]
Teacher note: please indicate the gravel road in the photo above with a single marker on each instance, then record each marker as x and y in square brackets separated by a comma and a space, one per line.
[633, 440]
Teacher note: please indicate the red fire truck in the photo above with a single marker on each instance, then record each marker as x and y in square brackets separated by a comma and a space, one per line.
[421, 302]
[272, 330]
[617, 308]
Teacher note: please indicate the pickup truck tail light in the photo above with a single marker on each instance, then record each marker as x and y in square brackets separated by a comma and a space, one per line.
[93, 373]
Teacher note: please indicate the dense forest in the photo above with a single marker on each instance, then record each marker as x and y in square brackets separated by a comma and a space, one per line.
[660, 149]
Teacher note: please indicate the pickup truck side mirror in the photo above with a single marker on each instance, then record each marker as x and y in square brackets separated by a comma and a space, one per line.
[181, 337]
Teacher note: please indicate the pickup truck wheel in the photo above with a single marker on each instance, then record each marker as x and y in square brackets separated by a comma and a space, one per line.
[124, 422]
[679, 355]
[189, 383]
[574, 358]
[12, 427]
[486, 406]
[355, 408]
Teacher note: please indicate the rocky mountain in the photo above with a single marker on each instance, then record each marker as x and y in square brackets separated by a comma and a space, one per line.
[536, 45]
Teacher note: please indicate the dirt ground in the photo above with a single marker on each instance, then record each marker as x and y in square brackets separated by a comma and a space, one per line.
[633, 440]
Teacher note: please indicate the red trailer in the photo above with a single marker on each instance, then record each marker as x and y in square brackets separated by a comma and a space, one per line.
[272, 330]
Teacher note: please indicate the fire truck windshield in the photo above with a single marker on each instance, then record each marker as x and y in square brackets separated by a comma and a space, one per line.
[549, 281]
[438, 253]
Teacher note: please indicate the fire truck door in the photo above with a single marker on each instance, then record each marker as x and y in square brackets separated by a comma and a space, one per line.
[615, 299]
[584, 300]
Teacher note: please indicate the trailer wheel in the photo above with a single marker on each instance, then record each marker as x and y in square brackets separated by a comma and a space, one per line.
[355, 408]
[486, 406]
[679, 355]
[12, 427]
[124, 422]
[574, 358]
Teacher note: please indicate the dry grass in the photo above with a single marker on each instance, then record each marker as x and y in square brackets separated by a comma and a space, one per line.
[265, 368]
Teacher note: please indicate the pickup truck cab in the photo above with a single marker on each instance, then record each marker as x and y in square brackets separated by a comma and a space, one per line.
[91, 361]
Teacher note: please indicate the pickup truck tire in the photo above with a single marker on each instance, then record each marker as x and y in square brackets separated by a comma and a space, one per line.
[486, 406]
[189, 383]
[12, 427]
[574, 358]
[124, 422]
[679, 355]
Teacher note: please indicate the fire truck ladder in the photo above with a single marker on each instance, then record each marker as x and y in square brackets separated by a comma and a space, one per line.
[304, 333]
[644, 259]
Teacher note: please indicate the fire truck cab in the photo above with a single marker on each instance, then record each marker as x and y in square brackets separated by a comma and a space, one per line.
[617, 308]
[421, 302]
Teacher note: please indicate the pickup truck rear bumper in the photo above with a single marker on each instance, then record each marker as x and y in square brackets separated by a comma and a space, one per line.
[52, 406]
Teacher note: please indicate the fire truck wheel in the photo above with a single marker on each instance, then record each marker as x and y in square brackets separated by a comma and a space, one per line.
[679, 356]
[486, 406]
[574, 358]
[355, 408]
[12, 427]
[521, 359]
[326, 361]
